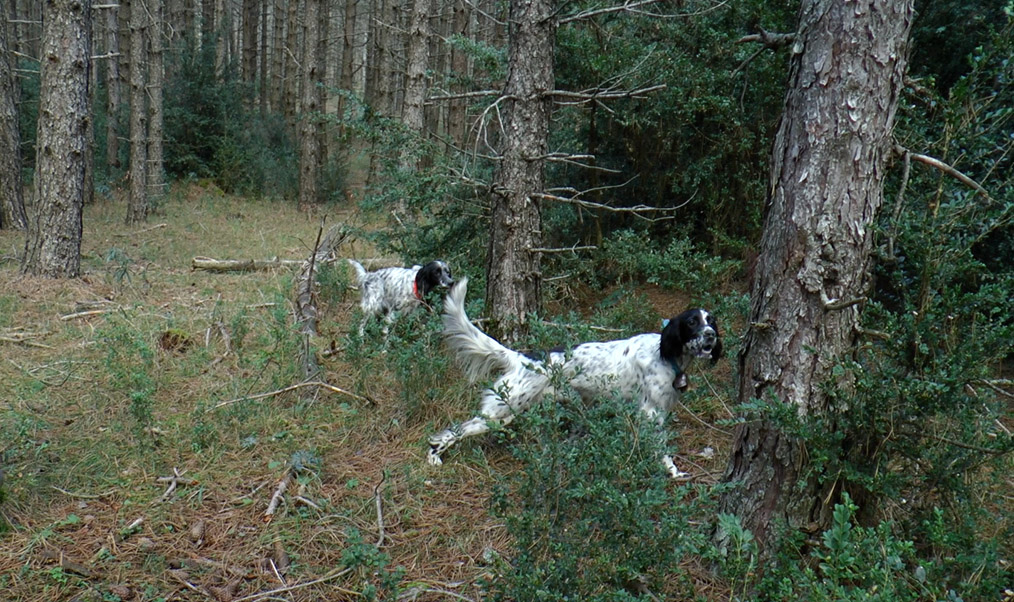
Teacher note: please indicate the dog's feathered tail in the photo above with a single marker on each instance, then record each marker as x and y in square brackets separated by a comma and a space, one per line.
[360, 270]
[478, 353]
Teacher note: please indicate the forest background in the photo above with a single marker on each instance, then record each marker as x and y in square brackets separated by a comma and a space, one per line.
[177, 433]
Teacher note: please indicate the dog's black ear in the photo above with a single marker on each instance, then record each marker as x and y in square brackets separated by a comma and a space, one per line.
[433, 275]
[716, 351]
[671, 345]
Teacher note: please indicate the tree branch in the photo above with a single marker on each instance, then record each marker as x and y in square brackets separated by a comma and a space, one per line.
[583, 97]
[944, 167]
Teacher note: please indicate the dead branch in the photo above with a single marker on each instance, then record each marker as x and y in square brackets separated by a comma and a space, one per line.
[768, 39]
[628, 7]
[898, 202]
[67, 564]
[571, 249]
[637, 210]
[380, 509]
[23, 337]
[175, 480]
[278, 495]
[150, 228]
[241, 265]
[322, 385]
[583, 97]
[130, 529]
[944, 167]
[462, 96]
[91, 312]
[273, 593]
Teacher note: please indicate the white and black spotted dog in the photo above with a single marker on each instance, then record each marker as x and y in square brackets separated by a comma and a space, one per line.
[647, 368]
[389, 291]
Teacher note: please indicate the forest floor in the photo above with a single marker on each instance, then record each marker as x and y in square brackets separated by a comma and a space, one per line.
[146, 429]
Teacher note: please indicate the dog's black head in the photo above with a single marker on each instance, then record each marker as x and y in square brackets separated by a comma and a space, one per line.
[693, 333]
[434, 274]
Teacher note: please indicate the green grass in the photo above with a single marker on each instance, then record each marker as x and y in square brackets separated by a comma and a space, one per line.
[97, 407]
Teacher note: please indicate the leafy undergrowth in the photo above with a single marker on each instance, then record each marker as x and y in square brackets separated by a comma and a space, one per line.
[145, 429]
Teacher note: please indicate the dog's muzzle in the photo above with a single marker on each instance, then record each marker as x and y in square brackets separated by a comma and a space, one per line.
[705, 343]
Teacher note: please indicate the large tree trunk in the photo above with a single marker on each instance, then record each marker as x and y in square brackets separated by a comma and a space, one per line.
[251, 17]
[279, 73]
[413, 114]
[137, 203]
[12, 201]
[157, 186]
[828, 165]
[53, 245]
[512, 263]
[309, 119]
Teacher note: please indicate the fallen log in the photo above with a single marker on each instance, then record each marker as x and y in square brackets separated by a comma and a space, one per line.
[242, 265]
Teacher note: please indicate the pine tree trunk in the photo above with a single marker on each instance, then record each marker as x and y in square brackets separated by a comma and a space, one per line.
[137, 203]
[828, 165]
[157, 186]
[309, 120]
[113, 99]
[293, 72]
[413, 115]
[279, 73]
[53, 245]
[251, 18]
[514, 279]
[456, 122]
[12, 201]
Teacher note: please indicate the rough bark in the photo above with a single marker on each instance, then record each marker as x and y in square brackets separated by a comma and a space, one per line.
[137, 202]
[309, 121]
[292, 68]
[12, 201]
[413, 114]
[53, 244]
[828, 165]
[275, 93]
[157, 185]
[251, 23]
[456, 125]
[513, 275]
[113, 99]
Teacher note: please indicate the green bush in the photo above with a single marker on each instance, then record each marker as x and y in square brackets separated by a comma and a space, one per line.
[592, 513]
[855, 563]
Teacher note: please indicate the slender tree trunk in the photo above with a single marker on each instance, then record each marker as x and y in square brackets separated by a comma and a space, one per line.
[156, 72]
[276, 93]
[349, 49]
[53, 244]
[309, 141]
[413, 115]
[828, 165]
[251, 18]
[262, 78]
[512, 263]
[137, 204]
[456, 116]
[12, 200]
[207, 22]
[293, 71]
[113, 80]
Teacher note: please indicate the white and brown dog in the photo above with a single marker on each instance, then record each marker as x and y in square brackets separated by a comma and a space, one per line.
[647, 369]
